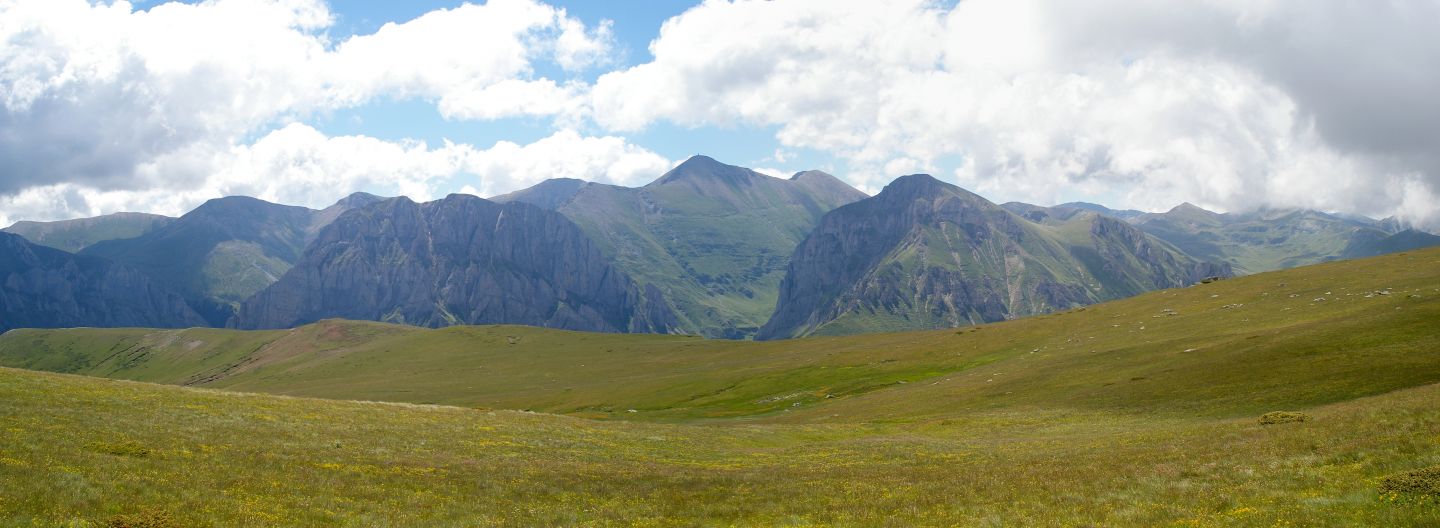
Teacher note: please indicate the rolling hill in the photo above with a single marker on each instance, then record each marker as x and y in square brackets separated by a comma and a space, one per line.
[1138, 412]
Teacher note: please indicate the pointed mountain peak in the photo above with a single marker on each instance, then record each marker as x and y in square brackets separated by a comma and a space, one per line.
[926, 187]
[826, 183]
[245, 206]
[1188, 212]
[917, 184]
[1189, 208]
[701, 168]
[549, 194]
[813, 175]
[1124, 214]
[917, 179]
[231, 201]
[700, 161]
[357, 199]
[461, 198]
[1087, 206]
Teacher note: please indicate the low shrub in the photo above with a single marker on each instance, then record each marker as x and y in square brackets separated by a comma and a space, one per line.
[153, 518]
[1418, 482]
[1279, 417]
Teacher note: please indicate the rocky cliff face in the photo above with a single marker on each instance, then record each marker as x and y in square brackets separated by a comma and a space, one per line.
[42, 287]
[925, 254]
[459, 260]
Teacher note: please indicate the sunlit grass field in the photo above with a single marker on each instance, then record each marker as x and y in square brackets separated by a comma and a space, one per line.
[1141, 412]
[76, 450]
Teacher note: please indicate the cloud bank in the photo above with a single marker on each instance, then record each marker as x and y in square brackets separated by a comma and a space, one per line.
[104, 106]
[1231, 104]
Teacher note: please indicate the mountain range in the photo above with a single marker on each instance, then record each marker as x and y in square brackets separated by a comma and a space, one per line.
[714, 238]
[706, 249]
[926, 254]
[1257, 241]
[224, 251]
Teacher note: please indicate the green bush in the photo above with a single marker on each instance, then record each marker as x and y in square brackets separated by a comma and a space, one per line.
[1419, 482]
[1279, 417]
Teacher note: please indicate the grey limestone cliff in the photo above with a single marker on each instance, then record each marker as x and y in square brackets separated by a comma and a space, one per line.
[43, 287]
[458, 260]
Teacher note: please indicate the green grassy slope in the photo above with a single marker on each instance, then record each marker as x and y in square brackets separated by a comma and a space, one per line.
[1231, 348]
[84, 452]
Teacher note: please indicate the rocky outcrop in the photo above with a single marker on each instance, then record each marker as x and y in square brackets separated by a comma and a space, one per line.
[925, 254]
[42, 287]
[459, 260]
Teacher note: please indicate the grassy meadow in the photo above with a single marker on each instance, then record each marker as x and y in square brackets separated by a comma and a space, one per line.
[1140, 412]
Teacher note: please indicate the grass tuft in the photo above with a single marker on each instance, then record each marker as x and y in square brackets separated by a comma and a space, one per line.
[1280, 417]
[129, 448]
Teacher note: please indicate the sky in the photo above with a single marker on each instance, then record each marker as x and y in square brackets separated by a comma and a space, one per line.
[1233, 105]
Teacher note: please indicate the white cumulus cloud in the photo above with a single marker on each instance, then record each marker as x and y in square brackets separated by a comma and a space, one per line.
[104, 100]
[1232, 104]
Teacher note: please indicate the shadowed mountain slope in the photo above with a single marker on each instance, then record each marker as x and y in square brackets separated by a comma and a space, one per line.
[224, 251]
[459, 260]
[43, 287]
